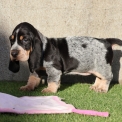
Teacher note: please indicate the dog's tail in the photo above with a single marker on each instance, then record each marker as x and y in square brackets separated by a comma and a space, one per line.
[114, 41]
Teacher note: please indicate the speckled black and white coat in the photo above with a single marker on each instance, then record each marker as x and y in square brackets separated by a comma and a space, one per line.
[82, 55]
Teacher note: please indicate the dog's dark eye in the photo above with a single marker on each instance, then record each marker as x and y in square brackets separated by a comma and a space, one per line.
[25, 41]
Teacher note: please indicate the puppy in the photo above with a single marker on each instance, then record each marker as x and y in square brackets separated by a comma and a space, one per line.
[83, 55]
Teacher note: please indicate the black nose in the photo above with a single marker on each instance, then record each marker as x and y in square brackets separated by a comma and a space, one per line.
[14, 53]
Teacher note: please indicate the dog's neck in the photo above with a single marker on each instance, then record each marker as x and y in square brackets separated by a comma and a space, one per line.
[43, 39]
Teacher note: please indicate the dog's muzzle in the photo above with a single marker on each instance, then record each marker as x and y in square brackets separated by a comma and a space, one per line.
[14, 53]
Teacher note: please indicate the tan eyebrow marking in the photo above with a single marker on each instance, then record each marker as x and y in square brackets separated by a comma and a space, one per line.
[21, 38]
[12, 36]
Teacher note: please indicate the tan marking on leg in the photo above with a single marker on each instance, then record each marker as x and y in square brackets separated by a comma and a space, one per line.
[97, 74]
[41, 68]
[52, 87]
[31, 84]
[100, 84]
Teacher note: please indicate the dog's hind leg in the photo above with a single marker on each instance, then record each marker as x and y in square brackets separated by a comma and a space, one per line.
[101, 84]
[32, 83]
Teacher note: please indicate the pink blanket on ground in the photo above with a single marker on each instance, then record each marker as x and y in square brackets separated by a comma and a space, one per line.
[40, 105]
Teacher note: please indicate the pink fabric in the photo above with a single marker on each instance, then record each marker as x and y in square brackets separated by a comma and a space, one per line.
[40, 105]
[91, 112]
[33, 105]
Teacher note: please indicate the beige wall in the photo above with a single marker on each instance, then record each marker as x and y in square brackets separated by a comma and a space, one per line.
[59, 18]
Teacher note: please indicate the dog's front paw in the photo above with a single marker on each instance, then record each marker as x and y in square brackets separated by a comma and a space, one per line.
[52, 88]
[26, 88]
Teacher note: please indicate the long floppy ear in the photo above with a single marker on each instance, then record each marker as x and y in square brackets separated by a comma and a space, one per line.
[36, 54]
[14, 66]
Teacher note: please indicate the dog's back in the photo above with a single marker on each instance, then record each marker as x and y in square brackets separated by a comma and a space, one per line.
[90, 52]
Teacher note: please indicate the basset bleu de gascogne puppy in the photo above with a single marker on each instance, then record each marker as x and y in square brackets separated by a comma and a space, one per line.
[83, 55]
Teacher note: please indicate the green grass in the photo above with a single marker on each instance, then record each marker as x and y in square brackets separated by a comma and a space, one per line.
[78, 95]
